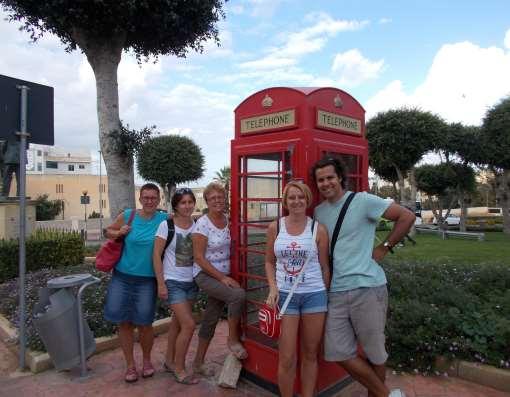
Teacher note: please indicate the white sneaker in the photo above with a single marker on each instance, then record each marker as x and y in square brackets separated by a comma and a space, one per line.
[397, 393]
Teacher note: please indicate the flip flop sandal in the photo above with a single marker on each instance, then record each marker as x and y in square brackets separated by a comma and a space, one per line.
[167, 368]
[238, 350]
[185, 379]
[131, 375]
[204, 370]
[148, 370]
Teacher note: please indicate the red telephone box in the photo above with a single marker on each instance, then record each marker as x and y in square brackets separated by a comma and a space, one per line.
[279, 133]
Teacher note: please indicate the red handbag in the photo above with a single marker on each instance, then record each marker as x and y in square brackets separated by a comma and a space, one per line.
[111, 251]
[270, 321]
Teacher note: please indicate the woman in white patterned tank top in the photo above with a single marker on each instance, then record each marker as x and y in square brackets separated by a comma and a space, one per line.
[288, 247]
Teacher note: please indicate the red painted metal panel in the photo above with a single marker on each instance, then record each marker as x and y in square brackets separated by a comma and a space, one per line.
[293, 151]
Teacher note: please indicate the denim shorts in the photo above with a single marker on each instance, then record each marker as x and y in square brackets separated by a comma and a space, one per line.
[130, 299]
[181, 291]
[307, 303]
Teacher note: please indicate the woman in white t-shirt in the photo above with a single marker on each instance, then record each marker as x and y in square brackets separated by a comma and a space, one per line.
[175, 281]
[288, 247]
[211, 253]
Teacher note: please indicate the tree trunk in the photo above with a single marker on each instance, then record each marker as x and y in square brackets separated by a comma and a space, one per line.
[503, 195]
[168, 190]
[412, 199]
[104, 57]
[401, 187]
[412, 184]
[463, 211]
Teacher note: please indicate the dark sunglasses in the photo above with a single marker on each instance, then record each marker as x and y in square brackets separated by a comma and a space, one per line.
[183, 190]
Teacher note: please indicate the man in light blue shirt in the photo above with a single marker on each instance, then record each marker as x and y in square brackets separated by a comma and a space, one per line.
[358, 299]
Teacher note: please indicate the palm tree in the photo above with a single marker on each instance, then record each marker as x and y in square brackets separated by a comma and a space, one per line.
[223, 177]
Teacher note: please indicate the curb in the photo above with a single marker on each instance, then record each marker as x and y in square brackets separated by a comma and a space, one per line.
[482, 374]
[89, 260]
[39, 361]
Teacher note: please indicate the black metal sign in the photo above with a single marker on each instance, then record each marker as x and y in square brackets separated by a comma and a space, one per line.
[39, 112]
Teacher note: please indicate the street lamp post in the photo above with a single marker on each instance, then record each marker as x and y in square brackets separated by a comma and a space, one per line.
[85, 199]
[100, 199]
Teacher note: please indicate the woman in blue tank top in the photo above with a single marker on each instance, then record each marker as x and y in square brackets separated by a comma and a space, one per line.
[131, 295]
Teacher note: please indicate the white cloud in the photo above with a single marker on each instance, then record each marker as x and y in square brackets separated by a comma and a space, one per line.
[384, 21]
[353, 68]
[268, 63]
[463, 81]
[309, 40]
[507, 39]
[212, 49]
[263, 8]
[236, 9]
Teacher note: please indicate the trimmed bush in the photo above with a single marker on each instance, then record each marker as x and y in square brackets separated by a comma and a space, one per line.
[44, 249]
[457, 311]
[93, 301]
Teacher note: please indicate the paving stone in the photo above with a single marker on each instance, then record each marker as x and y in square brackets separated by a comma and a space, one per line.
[107, 379]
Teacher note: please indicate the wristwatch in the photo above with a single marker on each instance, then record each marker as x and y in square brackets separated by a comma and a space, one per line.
[388, 245]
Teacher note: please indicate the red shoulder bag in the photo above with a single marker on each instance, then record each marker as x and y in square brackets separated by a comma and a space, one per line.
[111, 251]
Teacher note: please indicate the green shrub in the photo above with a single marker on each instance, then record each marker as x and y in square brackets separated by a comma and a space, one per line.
[384, 225]
[44, 249]
[93, 301]
[454, 311]
[91, 250]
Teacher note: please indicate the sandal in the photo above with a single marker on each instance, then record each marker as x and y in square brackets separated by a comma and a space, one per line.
[204, 370]
[131, 375]
[167, 368]
[148, 370]
[185, 378]
[238, 350]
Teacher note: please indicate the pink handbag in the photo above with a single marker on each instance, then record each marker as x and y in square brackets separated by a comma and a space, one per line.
[111, 251]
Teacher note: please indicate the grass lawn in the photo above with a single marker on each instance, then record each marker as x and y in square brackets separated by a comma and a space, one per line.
[432, 249]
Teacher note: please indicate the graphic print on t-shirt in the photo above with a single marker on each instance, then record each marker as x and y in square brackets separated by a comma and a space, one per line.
[293, 258]
[183, 250]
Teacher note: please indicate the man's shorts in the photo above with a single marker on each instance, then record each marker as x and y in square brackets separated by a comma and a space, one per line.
[356, 316]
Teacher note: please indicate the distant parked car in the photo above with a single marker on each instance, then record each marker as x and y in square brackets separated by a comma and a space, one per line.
[451, 220]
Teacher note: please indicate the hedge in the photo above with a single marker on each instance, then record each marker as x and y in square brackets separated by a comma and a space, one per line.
[457, 311]
[93, 301]
[44, 249]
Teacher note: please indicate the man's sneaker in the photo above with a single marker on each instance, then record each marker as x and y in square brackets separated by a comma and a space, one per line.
[397, 393]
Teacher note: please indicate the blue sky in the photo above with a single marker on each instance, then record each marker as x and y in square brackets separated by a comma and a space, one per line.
[449, 57]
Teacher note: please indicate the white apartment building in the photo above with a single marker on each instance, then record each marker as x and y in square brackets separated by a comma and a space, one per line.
[47, 160]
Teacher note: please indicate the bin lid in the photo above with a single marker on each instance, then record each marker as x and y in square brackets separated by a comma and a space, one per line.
[71, 280]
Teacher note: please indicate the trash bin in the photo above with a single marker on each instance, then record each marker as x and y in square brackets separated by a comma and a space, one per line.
[57, 318]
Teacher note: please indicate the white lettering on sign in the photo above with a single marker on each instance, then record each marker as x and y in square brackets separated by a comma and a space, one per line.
[337, 122]
[269, 121]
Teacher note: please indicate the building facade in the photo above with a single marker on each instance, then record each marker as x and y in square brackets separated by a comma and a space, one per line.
[53, 160]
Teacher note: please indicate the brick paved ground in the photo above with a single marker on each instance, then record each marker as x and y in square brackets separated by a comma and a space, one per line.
[108, 371]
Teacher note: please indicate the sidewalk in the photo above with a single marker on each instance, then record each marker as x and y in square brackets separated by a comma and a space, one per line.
[108, 370]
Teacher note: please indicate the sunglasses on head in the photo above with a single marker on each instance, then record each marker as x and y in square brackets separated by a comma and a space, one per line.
[183, 190]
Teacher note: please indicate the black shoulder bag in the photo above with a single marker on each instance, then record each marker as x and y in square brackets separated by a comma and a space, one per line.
[170, 235]
[336, 231]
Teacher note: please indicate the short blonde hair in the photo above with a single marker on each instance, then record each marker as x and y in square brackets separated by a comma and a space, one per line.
[303, 187]
[214, 186]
